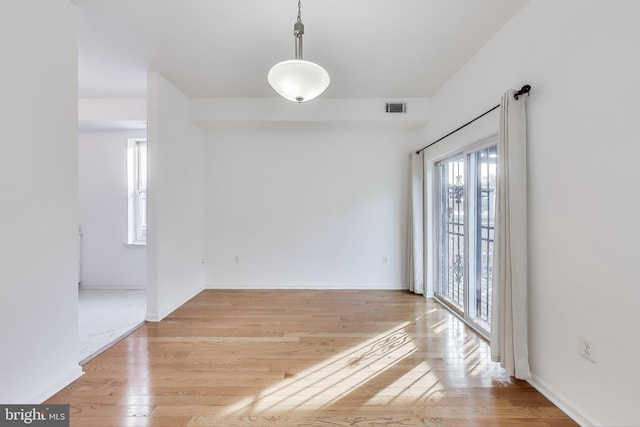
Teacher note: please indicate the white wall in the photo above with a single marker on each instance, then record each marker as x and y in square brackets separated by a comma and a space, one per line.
[307, 207]
[175, 234]
[581, 58]
[39, 204]
[112, 114]
[112, 109]
[345, 112]
[107, 261]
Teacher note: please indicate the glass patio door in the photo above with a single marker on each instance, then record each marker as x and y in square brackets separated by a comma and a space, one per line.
[465, 223]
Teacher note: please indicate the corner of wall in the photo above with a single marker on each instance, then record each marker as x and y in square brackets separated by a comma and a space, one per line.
[175, 218]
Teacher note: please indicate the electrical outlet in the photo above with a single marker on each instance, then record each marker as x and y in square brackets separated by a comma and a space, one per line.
[587, 349]
[384, 260]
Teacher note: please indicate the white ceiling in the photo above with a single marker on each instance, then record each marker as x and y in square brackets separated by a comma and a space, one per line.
[224, 48]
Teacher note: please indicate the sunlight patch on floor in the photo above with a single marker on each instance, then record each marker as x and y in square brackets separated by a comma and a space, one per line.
[417, 384]
[324, 384]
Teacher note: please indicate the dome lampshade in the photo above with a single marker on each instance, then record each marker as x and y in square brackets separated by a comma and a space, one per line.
[298, 80]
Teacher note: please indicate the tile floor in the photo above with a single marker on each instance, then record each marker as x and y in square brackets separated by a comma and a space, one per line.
[104, 316]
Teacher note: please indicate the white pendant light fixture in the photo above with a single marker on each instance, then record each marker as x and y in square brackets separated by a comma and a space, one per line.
[298, 80]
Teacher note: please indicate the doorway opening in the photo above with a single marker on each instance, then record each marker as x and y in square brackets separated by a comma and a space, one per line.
[113, 279]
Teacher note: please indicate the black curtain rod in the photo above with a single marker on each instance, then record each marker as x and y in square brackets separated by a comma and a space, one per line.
[525, 89]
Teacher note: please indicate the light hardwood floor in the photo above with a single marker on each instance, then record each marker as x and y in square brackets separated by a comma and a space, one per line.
[304, 358]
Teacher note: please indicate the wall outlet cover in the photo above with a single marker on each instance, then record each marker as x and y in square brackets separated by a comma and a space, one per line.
[586, 349]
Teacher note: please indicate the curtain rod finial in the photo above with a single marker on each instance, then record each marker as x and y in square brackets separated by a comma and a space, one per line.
[525, 89]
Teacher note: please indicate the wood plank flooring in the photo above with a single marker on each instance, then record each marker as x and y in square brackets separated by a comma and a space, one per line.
[304, 358]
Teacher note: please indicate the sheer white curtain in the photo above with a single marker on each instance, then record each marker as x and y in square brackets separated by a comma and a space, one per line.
[415, 250]
[509, 313]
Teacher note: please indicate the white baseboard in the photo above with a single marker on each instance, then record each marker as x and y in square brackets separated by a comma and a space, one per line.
[83, 287]
[561, 402]
[156, 317]
[58, 384]
[314, 286]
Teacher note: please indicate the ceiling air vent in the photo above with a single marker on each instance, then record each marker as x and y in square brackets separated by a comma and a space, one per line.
[396, 107]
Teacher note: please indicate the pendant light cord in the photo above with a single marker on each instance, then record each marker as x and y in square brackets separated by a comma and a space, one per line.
[298, 31]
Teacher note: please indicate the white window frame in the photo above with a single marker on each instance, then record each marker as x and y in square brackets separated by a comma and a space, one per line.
[137, 191]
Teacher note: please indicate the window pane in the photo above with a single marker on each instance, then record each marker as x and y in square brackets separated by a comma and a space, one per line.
[142, 165]
[137, 185]
[141, 232]
[452, 229]
[485, 193]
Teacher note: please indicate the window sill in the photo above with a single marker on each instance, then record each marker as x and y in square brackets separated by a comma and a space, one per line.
[135, 245]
